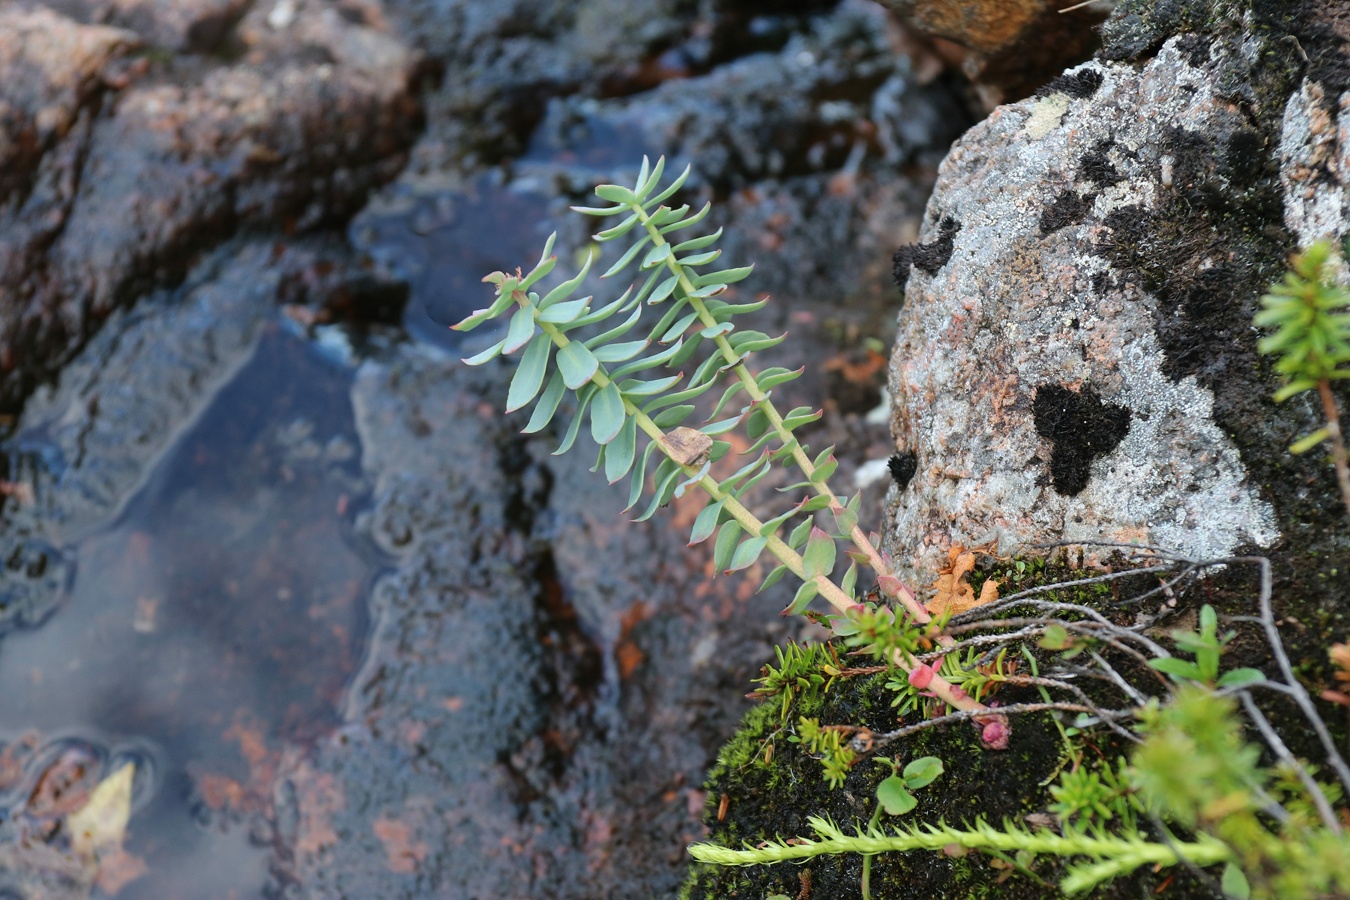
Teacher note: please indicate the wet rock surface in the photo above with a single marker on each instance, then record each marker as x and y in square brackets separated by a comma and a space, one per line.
[545, 684]
[121, 171]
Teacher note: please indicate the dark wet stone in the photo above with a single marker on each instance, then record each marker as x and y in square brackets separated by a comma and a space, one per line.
[83, 447]
[127, 173]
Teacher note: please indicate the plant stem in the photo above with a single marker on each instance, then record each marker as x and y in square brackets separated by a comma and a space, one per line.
[1338, 454]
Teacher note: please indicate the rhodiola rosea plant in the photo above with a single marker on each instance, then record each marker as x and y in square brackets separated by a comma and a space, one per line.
[623, 361]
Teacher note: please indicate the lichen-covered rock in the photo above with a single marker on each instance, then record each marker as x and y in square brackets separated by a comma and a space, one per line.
[1075, 358]
[1029, 379]
[123, 173]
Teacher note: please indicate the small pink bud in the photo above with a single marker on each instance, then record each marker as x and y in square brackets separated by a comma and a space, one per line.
[994, 733]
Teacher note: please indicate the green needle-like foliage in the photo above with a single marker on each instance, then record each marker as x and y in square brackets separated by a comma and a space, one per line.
[1311, 315]
[1310, 312]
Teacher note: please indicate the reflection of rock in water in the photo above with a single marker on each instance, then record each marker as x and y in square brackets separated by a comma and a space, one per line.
[204, 469]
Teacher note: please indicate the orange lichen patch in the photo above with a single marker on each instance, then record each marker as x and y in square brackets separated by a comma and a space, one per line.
[318, 797]
[627, 653]
[220, 793]
[953, 594]
[13, 757]
[401, 852]
[453, 704]
[118, 869]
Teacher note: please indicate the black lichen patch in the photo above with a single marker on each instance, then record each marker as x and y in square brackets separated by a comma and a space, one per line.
[1069, 208]
[1081, 427]
[1096, 166]
[903, 465]
[927, 257]
[1078, 85]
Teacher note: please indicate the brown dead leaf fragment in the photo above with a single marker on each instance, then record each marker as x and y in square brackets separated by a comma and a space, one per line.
[952, 593]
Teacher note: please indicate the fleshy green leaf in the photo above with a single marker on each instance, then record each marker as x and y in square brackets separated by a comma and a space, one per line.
[725, 545]
[773, 578]
[705, 523]
[607, 414]
[490, 353]
[818, 559]
[746, 553]
[619, 453]
[614, 193]
[805, 594]
[577, 364]
[619, 352]
[894, 797]
[922, 772]
[521, 329]
[548, 404]
[562, 313]
[574, 427]
[1241, 678]
[530, 373]
[670, 418]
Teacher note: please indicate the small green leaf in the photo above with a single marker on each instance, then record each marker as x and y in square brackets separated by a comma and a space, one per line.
[706, 522]
[577, 364]
[799, 534]
[699, 243]
[802, 599]
[746, 553]
[922, 772]
[894, 797]
[771, 378]
[819, 556]
[844, 522]
[655, 256]
[607, 414]
[727, 536]
[490, 353]
[614, 193]
[663, 290]
[529, 375]
[701, 259]
[521, 329]
[547, 406]
[622, 262]
[562, 313]
[619, 453]
[670, 418]
[774, 576]
[1179, 668]
[574, 427]
[636, 388]
[619, 230]
[1234, 883]
[849, 583]
[1241, 678]
[619, 352]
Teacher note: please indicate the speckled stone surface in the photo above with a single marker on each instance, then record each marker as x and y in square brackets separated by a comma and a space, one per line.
[1028, 304]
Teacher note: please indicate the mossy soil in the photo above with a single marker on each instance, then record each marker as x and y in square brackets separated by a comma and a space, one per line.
[771, 785]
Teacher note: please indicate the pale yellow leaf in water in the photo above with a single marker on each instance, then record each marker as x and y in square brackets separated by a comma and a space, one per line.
[101, 823]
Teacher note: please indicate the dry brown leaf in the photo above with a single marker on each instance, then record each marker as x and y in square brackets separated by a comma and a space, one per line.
[952, 593]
